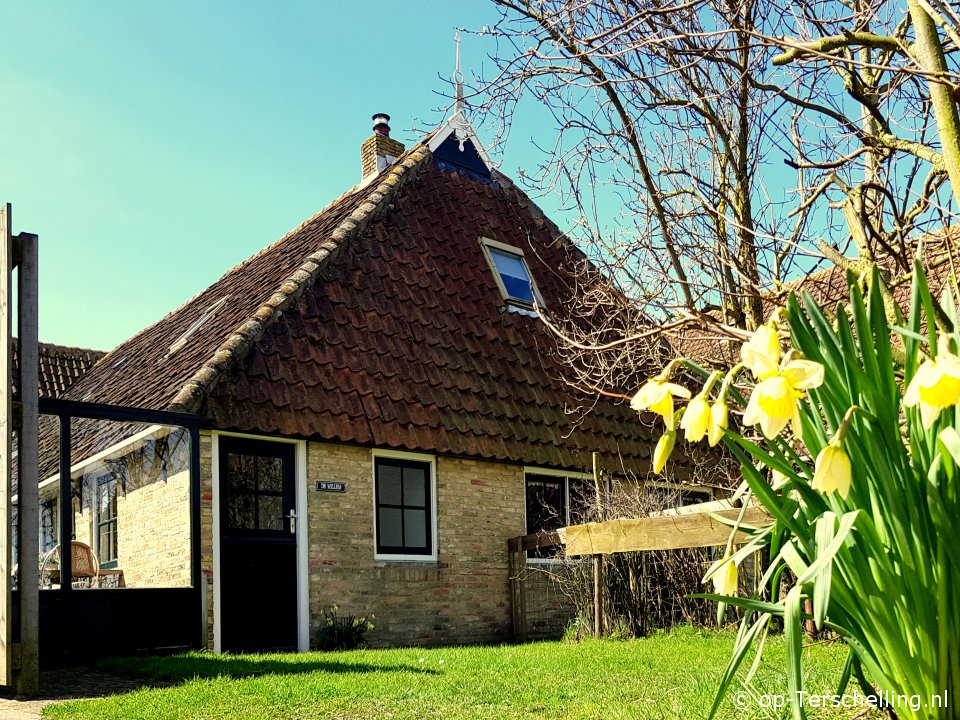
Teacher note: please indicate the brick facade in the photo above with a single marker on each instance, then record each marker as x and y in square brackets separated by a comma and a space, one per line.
[461, 597]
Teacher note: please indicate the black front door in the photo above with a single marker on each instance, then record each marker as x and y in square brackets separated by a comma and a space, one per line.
[258, 548]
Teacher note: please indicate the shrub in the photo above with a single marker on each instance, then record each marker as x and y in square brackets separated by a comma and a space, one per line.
[342, 632]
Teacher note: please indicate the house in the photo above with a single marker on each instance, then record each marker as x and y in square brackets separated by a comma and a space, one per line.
[381, 410]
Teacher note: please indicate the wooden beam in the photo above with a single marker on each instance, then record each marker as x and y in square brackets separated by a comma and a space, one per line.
[6, 445]
[670, 532]
[27, 459]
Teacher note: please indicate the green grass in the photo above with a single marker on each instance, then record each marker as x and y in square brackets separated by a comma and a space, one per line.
[665, 676]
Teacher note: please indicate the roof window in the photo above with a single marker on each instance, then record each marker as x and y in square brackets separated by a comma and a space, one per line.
[511, 273]
[181, 341]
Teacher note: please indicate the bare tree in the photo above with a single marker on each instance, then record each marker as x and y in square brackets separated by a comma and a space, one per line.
[713, 150]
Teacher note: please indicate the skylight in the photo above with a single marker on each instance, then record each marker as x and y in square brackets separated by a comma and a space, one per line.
[511, 272]
[181, 341]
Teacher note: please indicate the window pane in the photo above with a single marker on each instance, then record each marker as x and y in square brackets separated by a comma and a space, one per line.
[510, 265]
[414, 487]
[240, 471]
[388, 478]
[270, 515]
[48, 525]
[583, 501]
[240, 512]
[270, 474]
[415, 528]
[545, 506]
[390, 527]
[514, 274]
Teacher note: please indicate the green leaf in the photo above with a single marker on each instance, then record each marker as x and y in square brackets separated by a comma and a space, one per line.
[793, 630]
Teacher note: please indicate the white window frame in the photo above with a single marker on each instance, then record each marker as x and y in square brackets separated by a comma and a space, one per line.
[487, 244]
[547, 472]
[430, 460]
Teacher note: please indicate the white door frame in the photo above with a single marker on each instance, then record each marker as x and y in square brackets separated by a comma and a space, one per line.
[303, 545]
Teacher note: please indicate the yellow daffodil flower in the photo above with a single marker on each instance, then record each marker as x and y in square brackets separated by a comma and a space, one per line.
[774, 401]
[935, 386]
[761, 354]
[832, 471]
[657, 395]
[725, 578]
[696, 419]
[663, 450]
[718, 422]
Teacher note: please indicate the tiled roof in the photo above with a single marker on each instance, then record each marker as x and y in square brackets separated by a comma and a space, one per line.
[60, 366]
[378, 322]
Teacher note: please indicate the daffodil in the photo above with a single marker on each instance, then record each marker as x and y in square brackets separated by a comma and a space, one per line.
[725, 577]
[696, 419]
[657, 395]
[935, 386]
[777, 479]
[761, 354]
[663, 450]
[718, 422]
[832, 471]
[774, 402]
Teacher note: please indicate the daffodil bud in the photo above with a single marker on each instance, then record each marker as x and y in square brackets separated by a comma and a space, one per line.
[696, 419]
[761, 354]
[718, 422]
[832, 471]
[663, 450]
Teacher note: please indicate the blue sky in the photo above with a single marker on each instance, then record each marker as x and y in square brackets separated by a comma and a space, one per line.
[152, 146]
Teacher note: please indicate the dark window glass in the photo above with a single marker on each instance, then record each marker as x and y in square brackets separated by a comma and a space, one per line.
[48, 524]
[255, 499]
[546, 506]
[583, 501]
[404, 518]
[107, 521]
[514, 274]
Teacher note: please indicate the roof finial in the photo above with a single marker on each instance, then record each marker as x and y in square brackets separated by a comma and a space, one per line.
[458, 80]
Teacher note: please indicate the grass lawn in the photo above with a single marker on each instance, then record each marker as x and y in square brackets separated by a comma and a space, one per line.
[666, 676]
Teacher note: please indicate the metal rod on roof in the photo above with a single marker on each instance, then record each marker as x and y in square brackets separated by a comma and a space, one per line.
[458, 79]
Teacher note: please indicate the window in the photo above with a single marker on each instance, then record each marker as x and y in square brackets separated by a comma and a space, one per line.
[48, 524]
[107, 521]
[405, 508]
[555, 501]
[511, 273]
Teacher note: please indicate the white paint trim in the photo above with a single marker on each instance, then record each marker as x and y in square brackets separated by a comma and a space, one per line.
[303, 546]
[435, 517]
[215, 509]
[458, 123]
[534, 470]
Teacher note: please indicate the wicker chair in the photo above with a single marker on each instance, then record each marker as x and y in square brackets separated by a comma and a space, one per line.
[84, 566]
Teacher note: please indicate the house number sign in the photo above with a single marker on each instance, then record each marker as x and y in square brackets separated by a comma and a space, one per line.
[326, 486]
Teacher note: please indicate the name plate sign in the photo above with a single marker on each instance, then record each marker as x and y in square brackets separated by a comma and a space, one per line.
[327, 486]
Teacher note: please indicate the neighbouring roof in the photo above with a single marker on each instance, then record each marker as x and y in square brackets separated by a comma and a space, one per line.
[378, 322]
[827, 287]
[60, 366]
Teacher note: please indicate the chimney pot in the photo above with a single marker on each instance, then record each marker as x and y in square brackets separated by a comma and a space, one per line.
[380, 124]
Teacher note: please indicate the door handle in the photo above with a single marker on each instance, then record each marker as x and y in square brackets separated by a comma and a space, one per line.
[292, 517]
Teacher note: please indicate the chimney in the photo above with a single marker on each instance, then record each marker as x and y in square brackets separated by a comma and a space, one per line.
[380, 149]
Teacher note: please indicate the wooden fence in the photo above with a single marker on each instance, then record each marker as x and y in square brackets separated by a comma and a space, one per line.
[693, 526]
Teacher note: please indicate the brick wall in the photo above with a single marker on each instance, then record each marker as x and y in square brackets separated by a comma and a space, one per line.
[462, 597]
[153, 533]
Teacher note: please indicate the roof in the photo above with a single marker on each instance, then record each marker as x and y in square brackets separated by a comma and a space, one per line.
[827, 287]
[379, 322]
[60, 366]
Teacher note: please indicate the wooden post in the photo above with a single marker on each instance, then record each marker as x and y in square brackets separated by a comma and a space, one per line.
[27, 458]
[6, 446]
[597, 598]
